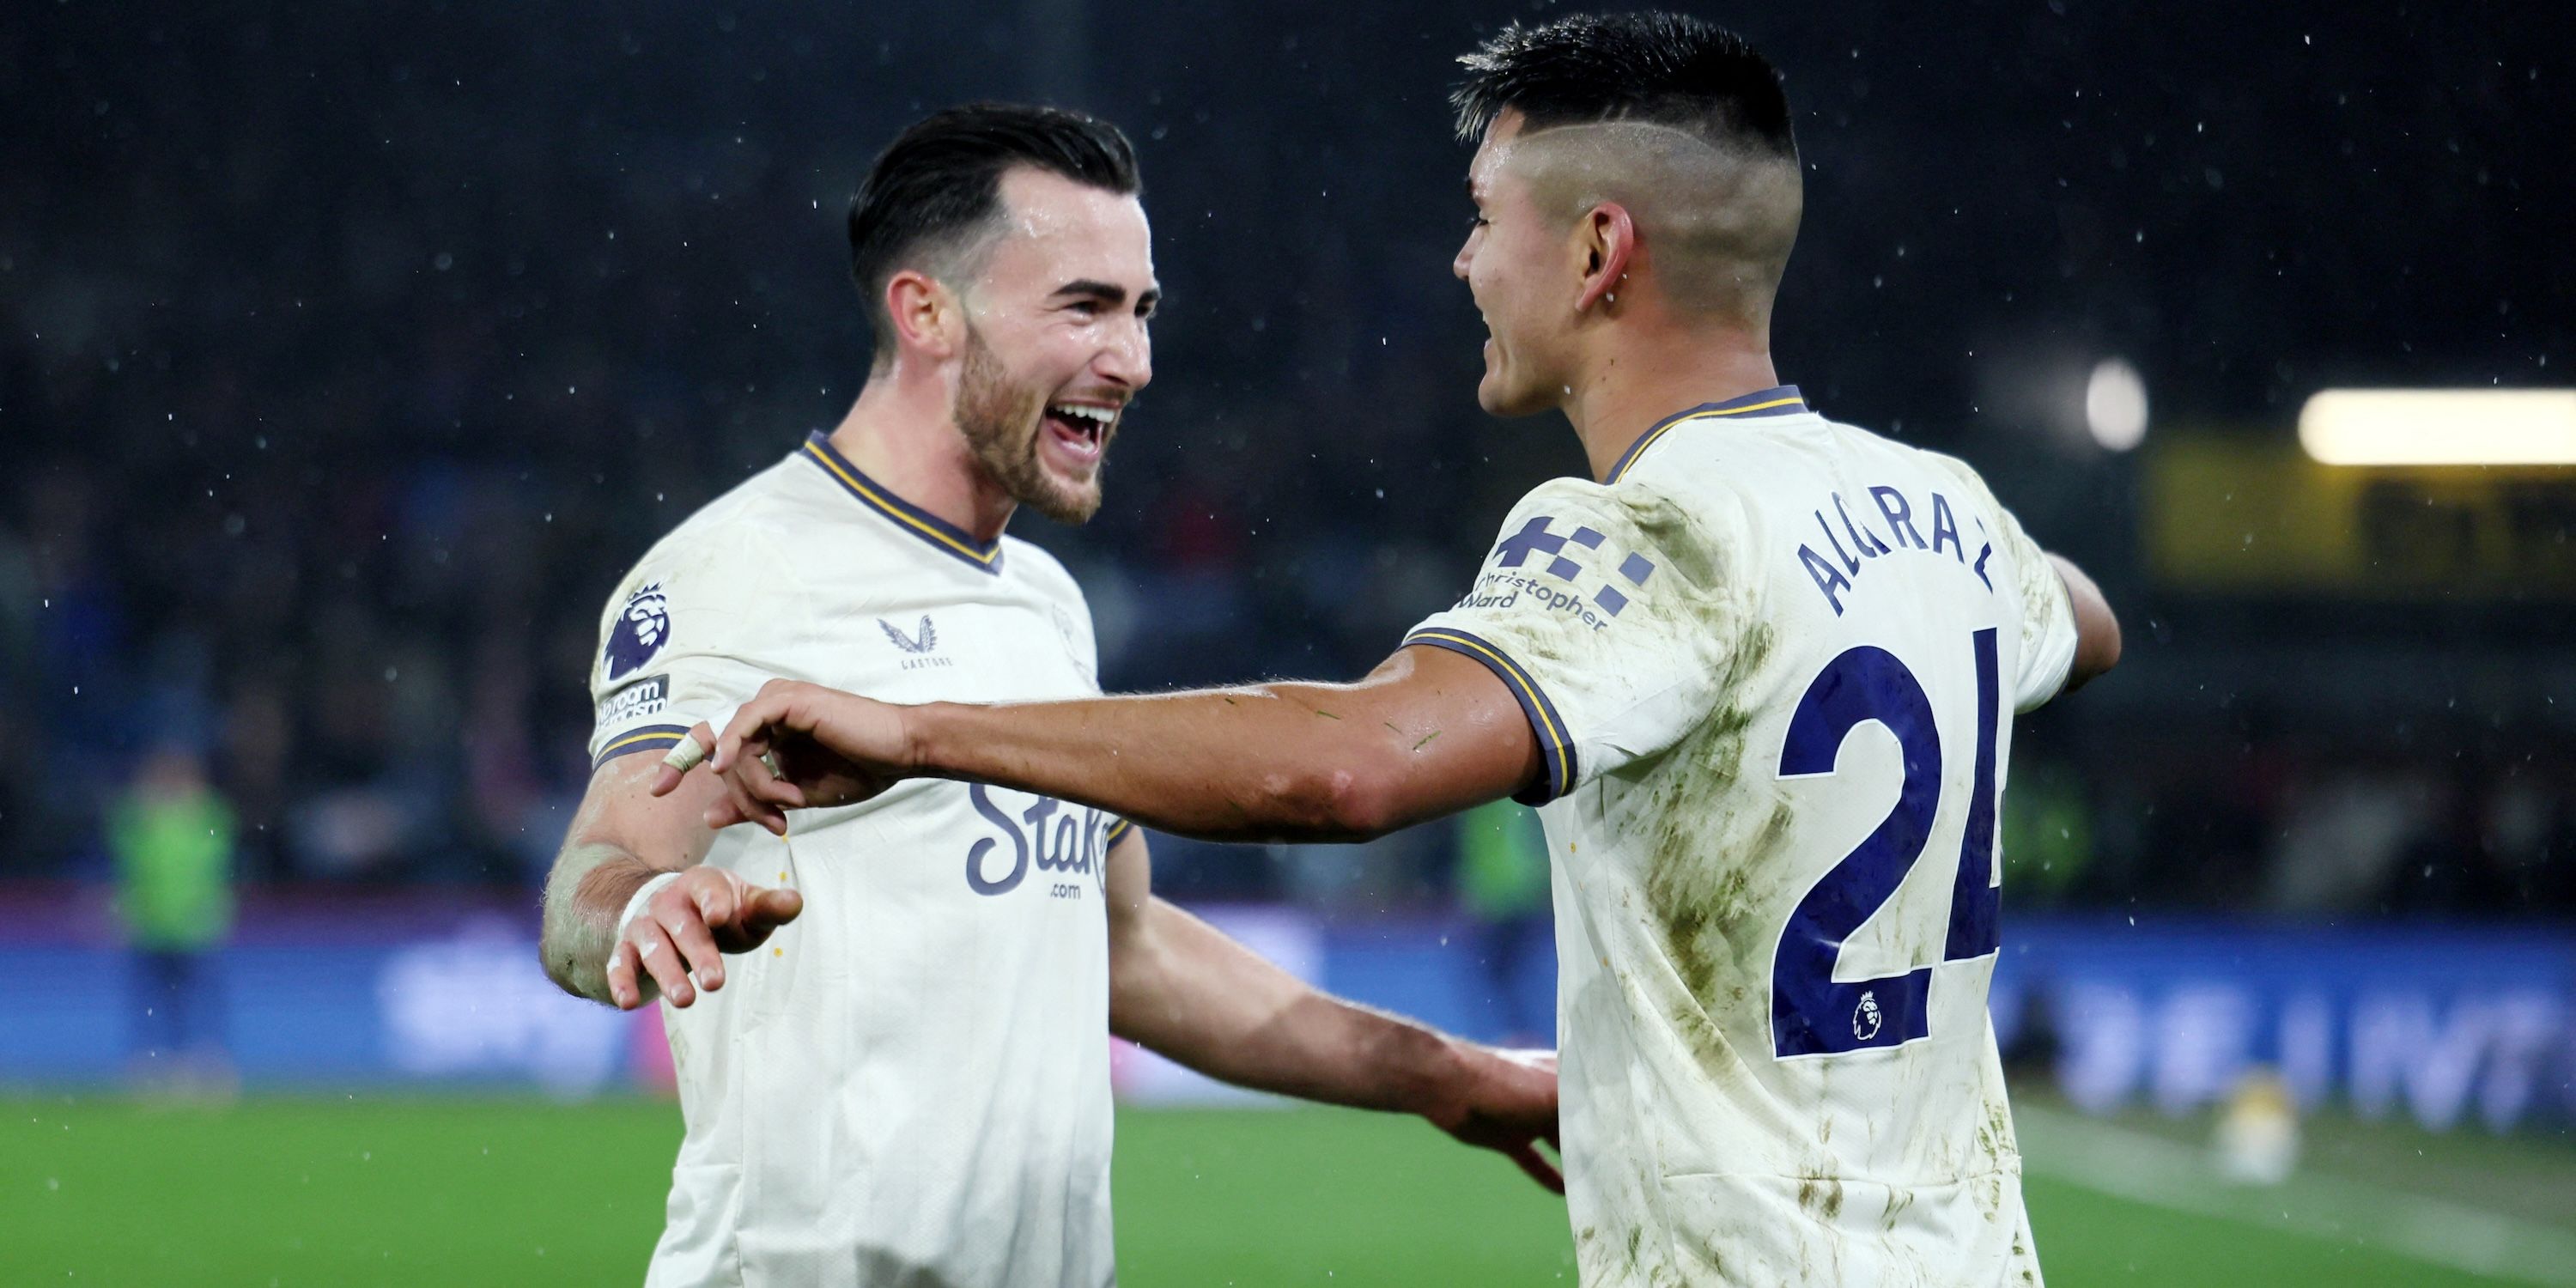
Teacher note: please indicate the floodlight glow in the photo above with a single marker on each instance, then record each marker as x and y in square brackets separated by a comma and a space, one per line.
[2115, 405]
[2440, 426]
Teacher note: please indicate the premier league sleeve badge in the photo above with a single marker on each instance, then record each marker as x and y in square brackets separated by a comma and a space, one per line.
[643, 628]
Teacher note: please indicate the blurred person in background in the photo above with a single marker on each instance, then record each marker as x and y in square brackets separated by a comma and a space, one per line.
[1747, 633]
[909, 1081]
[171, 836]
[1503, 889]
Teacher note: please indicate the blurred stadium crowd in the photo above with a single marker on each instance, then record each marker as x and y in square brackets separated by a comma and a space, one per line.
[353, 355]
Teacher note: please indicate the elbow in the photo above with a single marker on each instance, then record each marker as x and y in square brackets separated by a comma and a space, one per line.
[2097, 628]
[2097, 649]
[556, 963]
[2106, 641]
[551, 955]
[559, 959]
[1346, 802]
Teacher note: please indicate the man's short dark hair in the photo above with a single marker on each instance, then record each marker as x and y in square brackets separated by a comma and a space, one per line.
[936, 190]
[1658, 68]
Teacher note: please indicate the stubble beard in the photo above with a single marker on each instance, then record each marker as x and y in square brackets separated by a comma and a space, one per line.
[1001, 423]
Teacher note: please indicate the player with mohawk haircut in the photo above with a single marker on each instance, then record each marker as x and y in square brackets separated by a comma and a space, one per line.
[1760, 667]
[1686, 72]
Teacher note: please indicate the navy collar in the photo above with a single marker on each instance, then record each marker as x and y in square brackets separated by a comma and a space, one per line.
[919, 523]
[1778, 400]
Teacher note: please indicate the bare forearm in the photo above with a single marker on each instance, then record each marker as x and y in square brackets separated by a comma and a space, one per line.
[1182, 989]
[1276, 761]
[1428, 733]
[603, 863]
[1324, 1049]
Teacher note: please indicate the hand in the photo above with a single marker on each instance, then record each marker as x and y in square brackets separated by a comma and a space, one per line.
[686, 928]
[1507, 1103]
[797, 745]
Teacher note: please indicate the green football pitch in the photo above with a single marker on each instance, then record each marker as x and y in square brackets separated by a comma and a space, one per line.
[355, 1191]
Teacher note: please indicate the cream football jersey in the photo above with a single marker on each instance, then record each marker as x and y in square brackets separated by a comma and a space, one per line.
[910, 1083]
[1772, 663]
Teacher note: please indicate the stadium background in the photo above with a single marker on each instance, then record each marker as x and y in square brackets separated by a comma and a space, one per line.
[353, 352]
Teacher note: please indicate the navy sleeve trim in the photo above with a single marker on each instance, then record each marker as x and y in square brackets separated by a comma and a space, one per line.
[648, 738]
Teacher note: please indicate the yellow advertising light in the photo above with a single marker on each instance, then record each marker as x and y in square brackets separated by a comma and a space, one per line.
[2440, 427]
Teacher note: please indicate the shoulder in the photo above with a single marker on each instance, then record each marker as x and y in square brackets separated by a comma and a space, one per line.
[1951, 467]
[726, 542]
[725, 556]
[1686, 514]
[1640, 496]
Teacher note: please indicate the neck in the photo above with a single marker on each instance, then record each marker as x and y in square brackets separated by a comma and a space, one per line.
[1644, 375]
[902, 433]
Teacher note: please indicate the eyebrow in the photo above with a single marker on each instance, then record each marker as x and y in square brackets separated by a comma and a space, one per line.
[1109, 293]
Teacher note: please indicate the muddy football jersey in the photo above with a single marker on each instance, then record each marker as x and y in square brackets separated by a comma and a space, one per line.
[1772, 663]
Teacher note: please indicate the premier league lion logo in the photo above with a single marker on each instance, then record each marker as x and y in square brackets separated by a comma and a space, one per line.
[1865, 1017]
[643, 627]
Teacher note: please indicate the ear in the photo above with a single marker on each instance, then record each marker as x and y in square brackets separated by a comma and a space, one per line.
[928, 317]
[1606, 241]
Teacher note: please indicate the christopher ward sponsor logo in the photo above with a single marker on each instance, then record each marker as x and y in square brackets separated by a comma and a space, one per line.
[1505, 589]
[1563, 573]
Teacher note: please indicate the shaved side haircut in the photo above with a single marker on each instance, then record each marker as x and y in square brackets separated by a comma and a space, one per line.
[1677, 121]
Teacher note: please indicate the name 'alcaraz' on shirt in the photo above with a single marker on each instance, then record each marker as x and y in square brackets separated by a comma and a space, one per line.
[1770, 663]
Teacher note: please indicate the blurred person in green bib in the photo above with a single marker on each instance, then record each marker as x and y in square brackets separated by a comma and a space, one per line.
[1503, 888]
[172, 838]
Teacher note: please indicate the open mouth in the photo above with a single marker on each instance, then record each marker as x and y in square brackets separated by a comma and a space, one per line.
[1080, 430]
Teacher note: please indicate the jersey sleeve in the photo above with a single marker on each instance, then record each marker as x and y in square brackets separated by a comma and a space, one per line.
[2048, 634]
[1612, 615]
[677, 642]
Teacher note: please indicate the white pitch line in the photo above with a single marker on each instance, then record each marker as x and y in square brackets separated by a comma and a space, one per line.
[2162, 1173]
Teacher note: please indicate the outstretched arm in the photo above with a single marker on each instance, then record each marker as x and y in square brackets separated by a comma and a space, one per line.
[1428, 733]
[1179, 987]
